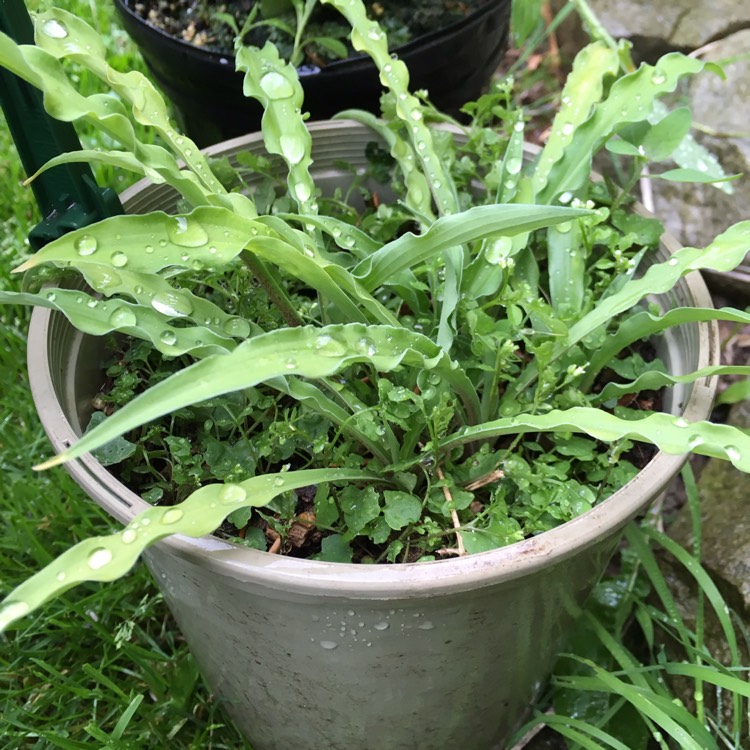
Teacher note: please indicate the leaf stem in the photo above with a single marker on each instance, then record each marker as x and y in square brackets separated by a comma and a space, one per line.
[272, 288]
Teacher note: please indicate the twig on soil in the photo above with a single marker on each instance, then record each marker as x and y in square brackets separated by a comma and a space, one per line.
[454, 514]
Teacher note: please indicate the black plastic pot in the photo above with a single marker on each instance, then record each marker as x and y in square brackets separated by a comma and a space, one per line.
[454, 64]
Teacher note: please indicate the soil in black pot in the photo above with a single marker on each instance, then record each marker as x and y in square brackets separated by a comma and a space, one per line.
[207, 24]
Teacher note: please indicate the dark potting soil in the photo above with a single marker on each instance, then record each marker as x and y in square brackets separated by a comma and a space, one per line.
[204, 23]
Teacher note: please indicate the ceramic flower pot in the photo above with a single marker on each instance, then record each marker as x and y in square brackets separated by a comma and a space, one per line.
[454, 64]
[309, 655]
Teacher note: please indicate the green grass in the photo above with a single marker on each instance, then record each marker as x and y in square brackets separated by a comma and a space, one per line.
[105, 666]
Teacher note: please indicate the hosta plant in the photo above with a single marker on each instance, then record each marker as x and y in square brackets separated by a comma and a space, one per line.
[436, 375]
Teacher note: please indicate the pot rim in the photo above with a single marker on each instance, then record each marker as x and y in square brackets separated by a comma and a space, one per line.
[359, 581]
[355, 61]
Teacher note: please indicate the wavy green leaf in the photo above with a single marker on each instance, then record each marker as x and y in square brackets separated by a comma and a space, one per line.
[653, 381]
[670, 434]
[630, 100]
[475, 223]
[99, 317]
[106, 558]
[305, 351]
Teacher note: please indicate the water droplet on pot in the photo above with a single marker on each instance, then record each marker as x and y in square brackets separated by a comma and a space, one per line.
[328, 645]
[173, 515]
[426, 625]
[85, 245]
[381, 626]
[172, 303]
[292, 149]
[168, 337]
[231, 494]
[99, 557]
[186, 232]
[276, 86]
[55, 29]
[123, 318]
[119, 259]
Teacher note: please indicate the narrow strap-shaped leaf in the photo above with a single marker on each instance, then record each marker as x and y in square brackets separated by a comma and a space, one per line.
[418, 197]
[681, 725]
[206, 237]
[644, 324]
[475, 223]
[707, 587]
[670, 434]
[83, 45]
[275, 84]
[629, 100]
[106, 558]
[583, 89]
[567, 269]
[653, 381]
[151, 290]
[349, 238]
[305, 351]
[726, 680]
[726, 252]
[99, 317]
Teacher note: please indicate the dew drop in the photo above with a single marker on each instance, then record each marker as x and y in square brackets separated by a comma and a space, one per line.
[292, 149]
[119, 259]
[381, 626]
[237, 327]
[123, 317]
[565, 227]
[416, 115]
[55, 29]
[231, 494]
[85, 245]
[367, 347]
[186, 233]
[672, 262]
[168, 337]
[173, 515]
[291, 363]
[279, 482]
[128, 536]
[61, 576]
[175, 304]
[99, 557]
[513, 166]
[681, 422]
[568, 128]
[426, 625]
[276, 86]
[518, 127]
[329, 346]
[733, 453]
[302, 192]
[328, 645]
[694, 441]
[658, 77]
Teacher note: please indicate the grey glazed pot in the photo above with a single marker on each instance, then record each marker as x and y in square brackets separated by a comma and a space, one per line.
[317, 656]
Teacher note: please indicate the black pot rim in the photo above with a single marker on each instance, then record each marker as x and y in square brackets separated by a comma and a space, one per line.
[350, 64]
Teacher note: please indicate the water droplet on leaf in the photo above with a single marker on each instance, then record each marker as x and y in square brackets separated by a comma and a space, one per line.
[173, 515]
[275, 86]
[175, 304]
[231, 494]
[55, 29]
[119, 259]
[168, 337]
[122, 318]
[186, 232]
[85, 245]
[99, 557]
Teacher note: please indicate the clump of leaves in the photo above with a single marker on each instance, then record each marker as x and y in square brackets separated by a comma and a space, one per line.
[452, 370]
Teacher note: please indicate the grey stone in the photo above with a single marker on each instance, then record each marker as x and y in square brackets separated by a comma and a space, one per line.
[681, 24]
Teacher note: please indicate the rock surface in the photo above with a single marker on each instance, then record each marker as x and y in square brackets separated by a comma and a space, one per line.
[679, 24]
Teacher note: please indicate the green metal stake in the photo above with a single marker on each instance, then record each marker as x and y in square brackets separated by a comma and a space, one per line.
[67, 195]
